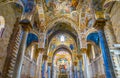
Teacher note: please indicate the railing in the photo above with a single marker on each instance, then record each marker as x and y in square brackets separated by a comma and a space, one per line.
[96, 68]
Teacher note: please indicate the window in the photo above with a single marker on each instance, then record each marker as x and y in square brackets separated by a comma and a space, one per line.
[2, 24]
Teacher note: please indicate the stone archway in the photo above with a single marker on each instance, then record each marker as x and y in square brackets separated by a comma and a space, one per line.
[63, 53]
[62, 19]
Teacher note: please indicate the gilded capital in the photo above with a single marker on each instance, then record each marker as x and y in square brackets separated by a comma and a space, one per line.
[79, 56]
[99, 15]
[99, 23]
[40, 50]
[75, 63]
[83, 50]
[49, 64]
[26, 25]
[45, 57]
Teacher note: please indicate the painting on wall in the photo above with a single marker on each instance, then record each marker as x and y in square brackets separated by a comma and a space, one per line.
[28, 4]
[57, 7]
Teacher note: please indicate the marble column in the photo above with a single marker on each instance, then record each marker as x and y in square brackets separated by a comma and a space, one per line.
[75, 70]
[80, 66]
[39, 62]
[99, 25]
[20, 57]
[85, 61]
[44, 66]
[49, 70]
[71, 70]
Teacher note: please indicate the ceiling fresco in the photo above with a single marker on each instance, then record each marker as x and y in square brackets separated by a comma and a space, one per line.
[61, 6]
[28, 4]
[56, 8]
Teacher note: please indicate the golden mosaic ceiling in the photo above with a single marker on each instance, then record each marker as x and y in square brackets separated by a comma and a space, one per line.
[62, 39]
[62, 57]
[56, 8]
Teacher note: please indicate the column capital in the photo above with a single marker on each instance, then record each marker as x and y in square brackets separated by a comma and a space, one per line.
[45, 57]
[83, 50]
[40, 50]
[75, 63]
[79, 56]
[26, 25]
[99, 24]
[99, 14]
[49, 64]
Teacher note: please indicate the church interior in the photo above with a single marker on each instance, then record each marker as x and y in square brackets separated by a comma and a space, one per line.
[59, 39]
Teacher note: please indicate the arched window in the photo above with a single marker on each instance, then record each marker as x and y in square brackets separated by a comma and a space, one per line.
[2, 25]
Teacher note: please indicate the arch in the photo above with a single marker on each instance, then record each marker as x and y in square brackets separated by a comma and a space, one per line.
[92, 43]
[31, 38]
[62, 48]
[90, 31]
[61, 56]
[63, 45]
[62, 31]
[33, 43]
[34, 55]
[53, 58]
[62, 19]
[93, 37]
